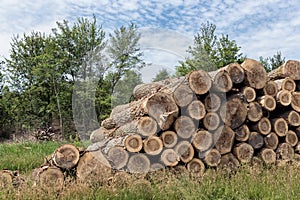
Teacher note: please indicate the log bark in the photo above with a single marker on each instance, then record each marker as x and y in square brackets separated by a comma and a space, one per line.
[249, 93]
[280, 126]
[267, 102]
[169, 158]
[134, 143]
[66, 156]
[212, 158]
[196, 167]
[285, 152]
[118, 157]
[153, 145]
[185, 151]
[138, 163]
[292, 118]
[211, 121]
[224, 139]
[100, 134]
[199, 81]
[184, 127]
[256, 140]
[291, 138]
[202, 140]
[196, 110]
[255, 73]
[52, 177]
[284, 97]
[255, 112]
[270, 88]
[271, 141]
[183, 95]
[268, 156]
[147, 126]
[242, 133]
[222, 81]
[169, 139]
[263, 126]
[212, 102]
[290, 68]
[286, 84]
[296, 101]
[243, 152]
[229, 162]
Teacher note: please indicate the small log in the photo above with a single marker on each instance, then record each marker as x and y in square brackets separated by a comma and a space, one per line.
[138, 163]
[233, 112]
[244, 152]
[118, 156]
[183, 95]
[255, 73]
[290, 68]
[280, 126]
[134, 143]
[286, 84]
[284, 97]
[263, 126]
[270, 88]
[202, 140]
[169, 139]
[129, 128]
[212, 102]
[224, 139]
[52, 177]
[271, 141]
[153, 145]
[147, 126]
[291, 138]
[255, 112]
[199, 81]
[296, 101]
[249, 93]
[212, 158]
[285, 152]
[256, 140]
[292, 118]
[196, 167]
[184, 127]
[211, 121]
[196, 110]
[242, 133]
[185, 151]
[236, 72]
[93, 166]
[66, 156]
[267, 102]
[169, 158]
[229, 161]
[222, 81]
[268, 156]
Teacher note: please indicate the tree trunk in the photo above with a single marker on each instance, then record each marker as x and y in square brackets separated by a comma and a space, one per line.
[118, 156]
[225, 139]
[296, 101]
[244, 152]
[184, 127]
[212, 102]
[134, 143]
[169, 139]
[270, 88]
[268, 156]
[196, 167]
[267, 102]
[202, 140]
[271, 141]
[285, 152]
[256, 140]
[242, 133]
[185, 151]
[153, 145]
[290, 68]
[169, 158]
[286, 84]
[66, 156]
[211, 121]
[138, 163]
[255, 73]
[263, 126]
[212, 158]
[147, 126]
[199, 81]
[196, 110]
[284, 97]
[291, 138]
[292, 118]
[249, 93]
[255, 112]
[280, 126]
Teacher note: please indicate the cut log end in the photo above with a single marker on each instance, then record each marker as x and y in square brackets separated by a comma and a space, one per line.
[271, 141]
[185, 151]
[225, 139]
[200, 82]
[196, 167]
[212, 102]
[52, 177]
[202, 140]
[118, 156]
[242, 133]
[268, 102]
[256, 140]
[134, 143]
[229, 162]
[211, 121]
[244, 152]
[236, 72]
[280, 126]
[196, 110]
[285, 152]
[222, 81]
[153, 145]
[138, 163]
[249, 93]
[296, 101]
[284, 97]
[255, 112]
[256, 75]
[268, 156]
[66, 156]
[263, 126]
[212, 158]
[147, 126]
[169, 158]
[270, 88]
[184, 127]
[183, 95]
[291, 138]
[169, 139]
[292, 118]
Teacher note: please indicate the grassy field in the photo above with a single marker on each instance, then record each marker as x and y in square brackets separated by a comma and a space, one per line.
[245, 183]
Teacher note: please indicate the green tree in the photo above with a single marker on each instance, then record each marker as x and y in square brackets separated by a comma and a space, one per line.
[161, 75]
[271, 63]
[209, 52]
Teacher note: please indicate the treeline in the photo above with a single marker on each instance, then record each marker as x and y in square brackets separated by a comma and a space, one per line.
[39, 78]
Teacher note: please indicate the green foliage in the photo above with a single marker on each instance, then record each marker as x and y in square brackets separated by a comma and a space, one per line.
[271, 63]
[161, 75]
[209, 52]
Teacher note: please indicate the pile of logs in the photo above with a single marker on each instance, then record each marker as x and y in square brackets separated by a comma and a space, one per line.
[237, 114]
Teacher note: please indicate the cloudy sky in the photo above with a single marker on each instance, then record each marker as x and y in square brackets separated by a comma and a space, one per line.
[260, 27]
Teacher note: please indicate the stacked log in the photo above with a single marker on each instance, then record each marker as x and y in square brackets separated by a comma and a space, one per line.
[237, 114]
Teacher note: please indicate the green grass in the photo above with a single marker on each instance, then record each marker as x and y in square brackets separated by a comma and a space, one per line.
[245, 183]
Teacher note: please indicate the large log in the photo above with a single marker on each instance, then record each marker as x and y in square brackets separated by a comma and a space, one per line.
[244, 152]
[285, 152]
[256, 140]
[267, 102]
[196, 110]
[280, 126]
[147, 126]
[196, 167]
[236, 72]
[211, 121]
[255, 112]
[292, 118]
[268, 156]
[290, 68]
[249, 93]
[263, 126]
[271, 141]
[225, 139]
[118, 157]
[242, 133]
[202, 140]
[185, 151]
[296, 101]
[169, 139]
[52, 177]
[212, 102]
[212, 158]
[270, 88]
[229, 161]
[184, 127]
[169, 157]
[138, 163]
[199, 81]
[183, 95]
[153, 145]
[291, 138]
[284, 97]
[256, 75]
[222, 81]
[134, 143]
[66, 156]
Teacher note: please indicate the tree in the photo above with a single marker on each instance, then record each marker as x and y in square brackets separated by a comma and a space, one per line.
[209, 52]
[161, 75]
[271, 63]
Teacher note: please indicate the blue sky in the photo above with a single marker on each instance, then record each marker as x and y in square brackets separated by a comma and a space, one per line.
[260, 27]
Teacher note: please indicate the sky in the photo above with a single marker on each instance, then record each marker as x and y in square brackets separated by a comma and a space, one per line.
[260, 27]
